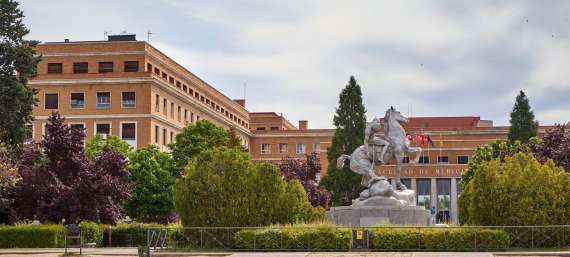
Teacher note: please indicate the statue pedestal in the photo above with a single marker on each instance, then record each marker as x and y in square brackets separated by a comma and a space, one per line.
[383, 211]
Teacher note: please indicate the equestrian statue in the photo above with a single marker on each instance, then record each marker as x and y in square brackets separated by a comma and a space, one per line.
[381, 149]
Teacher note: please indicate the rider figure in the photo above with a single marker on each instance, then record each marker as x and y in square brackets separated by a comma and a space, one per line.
[376, 145]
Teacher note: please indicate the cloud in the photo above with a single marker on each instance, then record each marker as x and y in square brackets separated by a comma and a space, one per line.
[444, 58]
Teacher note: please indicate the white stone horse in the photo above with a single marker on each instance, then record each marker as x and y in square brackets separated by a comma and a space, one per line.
[362, 159]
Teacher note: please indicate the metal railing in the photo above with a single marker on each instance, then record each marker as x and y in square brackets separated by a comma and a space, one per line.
[330, 238]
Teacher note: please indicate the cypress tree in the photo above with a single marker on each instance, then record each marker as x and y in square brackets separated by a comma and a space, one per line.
[523, 125]
[18, 62]
[350, 122]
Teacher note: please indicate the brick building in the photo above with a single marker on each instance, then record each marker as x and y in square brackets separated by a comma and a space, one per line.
[130, 89]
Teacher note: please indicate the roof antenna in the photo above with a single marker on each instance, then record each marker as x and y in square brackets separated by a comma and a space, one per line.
[148, 35]
[105, 34]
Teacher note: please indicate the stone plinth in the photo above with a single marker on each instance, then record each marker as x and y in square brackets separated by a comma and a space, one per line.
[363, 216]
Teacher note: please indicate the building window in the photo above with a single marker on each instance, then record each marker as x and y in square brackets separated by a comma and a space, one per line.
[164, 104]
[462, 159]
[51, 101]
[77, 100]
[191, 117]
[164, 76]
[164, 137]
[424, 159]
[265, 148]
[171, 137]
[179, 113]
[406, 159]
[443, 200]
[283, 148]
[129, 99]
[260, 128]
[54, 68]
[185, 116]
[129, 133]
[178, 84]
[156, 71]
[300, 148]
[274, 128]
[424, 192]
[156, 134]
[442, 159]
[407, 182]
[172, 110]
[149, 67]
[317, 147]
[103, 128]
[103, 100]
[105, 67]
[131, 66]
[171, 80]
[157, 103]
[77, 126]
[80, 67]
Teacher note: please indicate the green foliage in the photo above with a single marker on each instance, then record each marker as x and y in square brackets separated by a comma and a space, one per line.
[9, 178]
[32, 236]
[523, 125]
[194, 139]
[294, 238]
[222, 187]
[97, 144]
[127, 235]
[151, 185]
[350, 121]
[92, 232]
[18, 62]
[518, 191]
[495, 150]
[439, 238]
[234, 141]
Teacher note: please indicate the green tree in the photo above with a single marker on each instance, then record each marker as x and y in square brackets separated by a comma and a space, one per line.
[523, 125]
[234, 141]
[151, 186]
[222, 187]
[518, 191]
[18, 62]
[350, 122]
[194, 139]
[97, 144]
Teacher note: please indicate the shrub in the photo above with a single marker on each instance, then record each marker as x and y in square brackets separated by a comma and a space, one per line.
[438, 238]
[294, 238]
[92, 232]
[126, 235]
[32, 236]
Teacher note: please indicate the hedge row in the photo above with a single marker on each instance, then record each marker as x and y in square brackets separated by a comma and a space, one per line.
[32, 236]
[439, 239]
[380, 239]
[294, 238]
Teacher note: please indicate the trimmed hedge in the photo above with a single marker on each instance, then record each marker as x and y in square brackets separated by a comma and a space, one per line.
[439, 239]
[295, 238]
[32, 236]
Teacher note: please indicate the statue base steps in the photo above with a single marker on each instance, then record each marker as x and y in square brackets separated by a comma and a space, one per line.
[365, 216]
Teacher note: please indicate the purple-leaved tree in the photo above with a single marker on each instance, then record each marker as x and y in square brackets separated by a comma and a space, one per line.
[61, 183]
[555, 145]
[306, 172]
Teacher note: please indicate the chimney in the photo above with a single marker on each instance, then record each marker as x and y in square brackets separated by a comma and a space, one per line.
[240, 102]
[303, 125]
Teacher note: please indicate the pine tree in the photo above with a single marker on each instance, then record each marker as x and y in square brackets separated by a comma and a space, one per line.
[523, 125]
[350, 122]
[18, 62]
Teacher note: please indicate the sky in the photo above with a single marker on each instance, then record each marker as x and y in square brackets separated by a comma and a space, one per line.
[425, 58]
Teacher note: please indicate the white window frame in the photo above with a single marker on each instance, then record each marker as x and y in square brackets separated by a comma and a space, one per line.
[84, 101]
[286, 148]
[136, 132]
[268, 148]
[97, 100]
[317, 149]
[123, 100]
[95, 128]
[51, 93]
[303, 150]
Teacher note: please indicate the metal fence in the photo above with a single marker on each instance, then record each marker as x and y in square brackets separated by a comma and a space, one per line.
[330, 238]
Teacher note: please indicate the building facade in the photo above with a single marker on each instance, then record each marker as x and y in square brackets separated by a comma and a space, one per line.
[127, 88]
